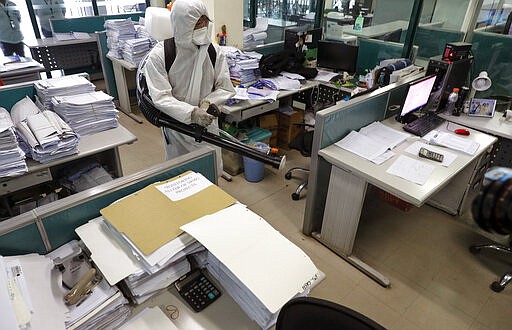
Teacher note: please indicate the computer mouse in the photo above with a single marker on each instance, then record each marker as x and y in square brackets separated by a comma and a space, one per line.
[461, 131]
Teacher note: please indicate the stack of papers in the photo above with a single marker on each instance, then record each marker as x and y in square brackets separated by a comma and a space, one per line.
[281, 83]
[373, 142]
[11, 63]
[67, 85]
[243, 67]
[104, 306]
[149, 256]
[256, 36]
[257, 266]
[12, 158]
[118, 30]
[71, 36]
[452, 141]
[44, 135]
[87, 113]
[28, 298]
[134, 50]
[83, 175]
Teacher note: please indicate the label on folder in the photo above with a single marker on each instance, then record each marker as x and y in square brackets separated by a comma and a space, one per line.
[184, 187]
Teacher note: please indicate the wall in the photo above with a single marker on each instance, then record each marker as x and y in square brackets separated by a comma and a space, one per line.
[228, 12]
[392, 10]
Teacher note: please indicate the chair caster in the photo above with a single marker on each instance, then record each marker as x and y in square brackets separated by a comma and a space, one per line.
[497, 287]
[474, 249]
[288, 176]
[295, 196]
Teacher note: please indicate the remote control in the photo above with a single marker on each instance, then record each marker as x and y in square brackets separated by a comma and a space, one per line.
[425, 153]
[197, 290]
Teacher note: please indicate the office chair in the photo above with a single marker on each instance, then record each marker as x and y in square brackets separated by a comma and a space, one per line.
[508, 24]
[492, 211]
[303, 143]
[309, 313]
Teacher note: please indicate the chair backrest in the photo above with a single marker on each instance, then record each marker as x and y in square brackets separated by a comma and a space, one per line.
[507, 29]
[314, 313]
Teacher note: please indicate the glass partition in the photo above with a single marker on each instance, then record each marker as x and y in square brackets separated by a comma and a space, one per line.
[109, 7]
[494, 16]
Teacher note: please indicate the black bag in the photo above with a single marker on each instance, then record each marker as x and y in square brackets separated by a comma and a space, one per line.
[286, 60]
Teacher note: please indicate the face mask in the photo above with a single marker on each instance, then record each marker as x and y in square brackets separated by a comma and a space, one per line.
[201, 36]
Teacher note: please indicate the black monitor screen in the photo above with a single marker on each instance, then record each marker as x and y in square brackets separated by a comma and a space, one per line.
[337, 56]
[417, 95]
[302, 40]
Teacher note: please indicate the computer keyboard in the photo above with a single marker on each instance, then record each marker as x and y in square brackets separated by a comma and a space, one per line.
[423, 124]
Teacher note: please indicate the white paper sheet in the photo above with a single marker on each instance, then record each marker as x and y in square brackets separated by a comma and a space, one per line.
[149, 319]
[452, 141]
[362, 145]
[448, 156]
[184, 187]
[413, 170]
[269, 265]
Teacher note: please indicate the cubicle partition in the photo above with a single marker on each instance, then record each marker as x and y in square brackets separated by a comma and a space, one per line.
[432, 40]
[50, 226]
[493, 53]
[372, 51]
[331, 125]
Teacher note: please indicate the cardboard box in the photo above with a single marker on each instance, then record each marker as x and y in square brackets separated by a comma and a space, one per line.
[271, 123]
[287, 128]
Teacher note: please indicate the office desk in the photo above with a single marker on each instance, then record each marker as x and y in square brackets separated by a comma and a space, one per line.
[54, 54]
[124, 72]
[102, 146]
[31, 73]
[349, 179]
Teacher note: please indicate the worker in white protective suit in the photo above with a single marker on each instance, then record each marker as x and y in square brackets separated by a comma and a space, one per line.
[192, 83]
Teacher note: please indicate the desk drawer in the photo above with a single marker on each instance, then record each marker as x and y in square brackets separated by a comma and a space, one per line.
[24, 181]
[258, 110]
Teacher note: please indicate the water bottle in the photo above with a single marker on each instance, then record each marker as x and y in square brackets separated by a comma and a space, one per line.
[452, 99]
[358, 25]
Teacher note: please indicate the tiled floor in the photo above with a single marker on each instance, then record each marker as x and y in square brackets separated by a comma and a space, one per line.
[436, 282]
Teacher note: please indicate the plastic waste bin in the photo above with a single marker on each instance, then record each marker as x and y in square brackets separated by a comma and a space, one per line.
[254, 170]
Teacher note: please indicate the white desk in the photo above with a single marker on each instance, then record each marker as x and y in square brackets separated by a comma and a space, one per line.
[350, 176]
[103, 145]
[123, 71]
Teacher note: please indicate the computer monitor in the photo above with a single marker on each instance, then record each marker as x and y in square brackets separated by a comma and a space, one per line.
[337, 56]
[303, 40]
[417, 96]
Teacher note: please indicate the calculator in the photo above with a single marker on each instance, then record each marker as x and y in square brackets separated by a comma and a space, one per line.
[425, 153]
[197, 290]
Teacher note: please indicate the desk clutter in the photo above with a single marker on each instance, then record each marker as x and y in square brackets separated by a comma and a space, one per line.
[12, 160]
[127, 41]
[88, 284]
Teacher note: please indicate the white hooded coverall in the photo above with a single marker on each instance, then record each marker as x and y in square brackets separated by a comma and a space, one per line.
[190, 80]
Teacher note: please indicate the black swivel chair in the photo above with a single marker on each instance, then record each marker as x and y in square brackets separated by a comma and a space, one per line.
[303, 143]
[507, 30]
[307, 313]
[492, 211]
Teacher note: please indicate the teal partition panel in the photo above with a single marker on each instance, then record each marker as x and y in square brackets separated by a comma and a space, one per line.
[108, 69]
[432, 40]
[60, 227]
[89, 24]
[9, 97]
[22, 241]
[372, 51]
[493, 53]
[352, 117]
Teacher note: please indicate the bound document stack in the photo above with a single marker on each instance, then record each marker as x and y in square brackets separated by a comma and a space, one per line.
[134, 50]
[67, 85]
[259, 268]
[243, 67]
[12, 158]
[118, 30]
[44, 135]
[87, 113]
[139, 239]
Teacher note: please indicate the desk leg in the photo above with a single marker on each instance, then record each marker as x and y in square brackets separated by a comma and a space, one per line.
[345, 199]
[122, 91]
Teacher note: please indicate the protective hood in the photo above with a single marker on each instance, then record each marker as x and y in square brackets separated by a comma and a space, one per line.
[184, 16]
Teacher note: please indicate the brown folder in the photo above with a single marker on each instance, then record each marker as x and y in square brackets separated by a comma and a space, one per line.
[150, 219]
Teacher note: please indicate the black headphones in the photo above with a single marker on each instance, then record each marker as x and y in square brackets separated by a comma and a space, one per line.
[491, 208]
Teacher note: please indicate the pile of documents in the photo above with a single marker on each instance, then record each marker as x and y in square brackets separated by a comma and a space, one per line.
[118, 30]
[243, 250]
[44, 135]
[12, 158]
[15, 62]
[104, 307]
[28, 298]
[67, 85]
[87, 113]
[142, 32]
[151, 257]
[83, 175]
[256, 36]
[243, 66]
[134, 50]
